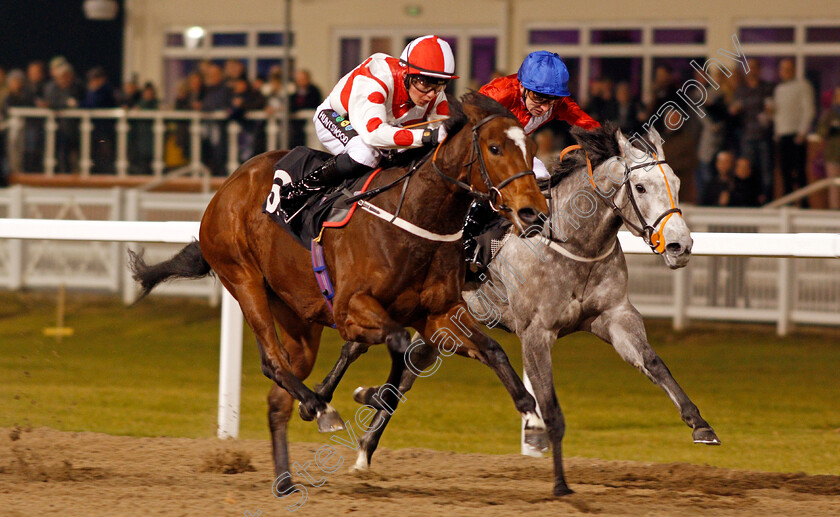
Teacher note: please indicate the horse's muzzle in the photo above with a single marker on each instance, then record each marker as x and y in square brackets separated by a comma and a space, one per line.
[528, 215]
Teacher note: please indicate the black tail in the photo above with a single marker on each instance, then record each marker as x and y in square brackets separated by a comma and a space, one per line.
[187, 263]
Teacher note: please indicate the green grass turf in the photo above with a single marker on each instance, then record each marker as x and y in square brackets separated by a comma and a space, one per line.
[152, 370]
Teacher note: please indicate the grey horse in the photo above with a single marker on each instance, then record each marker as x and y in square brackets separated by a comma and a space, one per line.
[570, 275]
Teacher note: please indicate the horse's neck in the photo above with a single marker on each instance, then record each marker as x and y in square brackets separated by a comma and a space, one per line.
[585, 235]
[432, 202]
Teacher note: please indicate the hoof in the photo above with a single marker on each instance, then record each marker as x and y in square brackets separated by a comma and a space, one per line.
[706, 436]
[361, 464]
[329, 421]
[305, 414]
[537, 440]
[562, 489]
[359, 395]
[364, 396]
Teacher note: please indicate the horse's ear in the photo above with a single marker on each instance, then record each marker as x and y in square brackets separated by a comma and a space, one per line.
[657, 141]
[623, 144]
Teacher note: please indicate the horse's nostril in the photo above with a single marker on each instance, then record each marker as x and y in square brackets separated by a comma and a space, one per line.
[527, 215]
[674, 248]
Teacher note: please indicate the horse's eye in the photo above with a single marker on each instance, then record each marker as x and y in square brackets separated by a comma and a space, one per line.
[640, 189]
[495, 149]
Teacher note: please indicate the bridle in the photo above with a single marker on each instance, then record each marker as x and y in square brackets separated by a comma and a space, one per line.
[650, 234]
[494, 192]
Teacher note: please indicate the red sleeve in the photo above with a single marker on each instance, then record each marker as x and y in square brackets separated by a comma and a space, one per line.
[569, 111]
[504, 90]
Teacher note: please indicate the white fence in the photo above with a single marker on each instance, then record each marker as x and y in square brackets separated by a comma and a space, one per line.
[823, 246]
[761, 289]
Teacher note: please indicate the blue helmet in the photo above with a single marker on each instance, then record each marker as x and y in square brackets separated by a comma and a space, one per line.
[545, 73]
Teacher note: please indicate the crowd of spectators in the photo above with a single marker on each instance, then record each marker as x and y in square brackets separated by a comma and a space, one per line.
[749, 148]
[210, 88]
[752, 130]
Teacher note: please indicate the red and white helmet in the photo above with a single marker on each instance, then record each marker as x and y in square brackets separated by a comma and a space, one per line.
[431, 56]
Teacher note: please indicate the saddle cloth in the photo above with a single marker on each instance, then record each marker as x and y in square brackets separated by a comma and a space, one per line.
[331, 209]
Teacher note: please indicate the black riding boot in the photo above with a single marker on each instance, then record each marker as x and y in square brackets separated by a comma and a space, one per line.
[293, 196]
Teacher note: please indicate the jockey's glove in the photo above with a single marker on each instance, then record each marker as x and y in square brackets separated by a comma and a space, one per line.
[433, 136]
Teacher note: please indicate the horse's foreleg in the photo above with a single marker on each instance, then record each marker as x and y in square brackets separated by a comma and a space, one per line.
[420, 358]
[276, 360]
[456, 331]
[623, 328]
[349, 353]
[536, 358]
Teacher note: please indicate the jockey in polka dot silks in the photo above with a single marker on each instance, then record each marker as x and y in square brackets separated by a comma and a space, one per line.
[367, 111]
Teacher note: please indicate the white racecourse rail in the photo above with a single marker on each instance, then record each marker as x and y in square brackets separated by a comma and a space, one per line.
[784, 245]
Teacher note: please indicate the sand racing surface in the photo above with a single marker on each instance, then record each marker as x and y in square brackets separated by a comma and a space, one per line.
[48, 472]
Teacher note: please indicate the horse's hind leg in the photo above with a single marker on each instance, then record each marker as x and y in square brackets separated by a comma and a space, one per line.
[301, 342]
[277, 361]
[624, 329]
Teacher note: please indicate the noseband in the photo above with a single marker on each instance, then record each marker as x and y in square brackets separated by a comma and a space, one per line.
[493, 195]
[650, 234]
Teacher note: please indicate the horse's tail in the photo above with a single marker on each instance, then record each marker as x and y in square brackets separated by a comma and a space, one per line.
[187, 263]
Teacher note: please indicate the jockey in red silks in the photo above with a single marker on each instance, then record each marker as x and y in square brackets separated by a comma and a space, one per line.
[536, 95]
[366, 112]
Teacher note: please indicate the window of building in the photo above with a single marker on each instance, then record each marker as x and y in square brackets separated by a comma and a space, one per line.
[766, 34]
[476, 51]
[814, 47]
[693, 36]
[258, 48]
[554, 36]
[615, 36]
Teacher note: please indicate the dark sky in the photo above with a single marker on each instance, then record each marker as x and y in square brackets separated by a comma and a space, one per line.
[41, 29]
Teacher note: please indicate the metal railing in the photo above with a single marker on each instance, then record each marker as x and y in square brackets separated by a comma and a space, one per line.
[43, 132]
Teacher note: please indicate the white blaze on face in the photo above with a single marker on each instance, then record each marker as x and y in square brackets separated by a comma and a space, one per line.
[518, 136]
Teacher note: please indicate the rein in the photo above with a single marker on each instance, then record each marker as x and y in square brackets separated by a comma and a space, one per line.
[650, 234]
[493, 195]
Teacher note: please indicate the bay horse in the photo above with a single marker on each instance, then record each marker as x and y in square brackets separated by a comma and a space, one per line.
[572, 276]
[385, 277]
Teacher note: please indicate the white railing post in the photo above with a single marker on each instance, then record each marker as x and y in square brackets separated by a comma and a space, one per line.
[131, 212]
[85, 128]
[15, 245]
[195, 143]
[272, 131]
[785, 285]
[230, 367]
[233, 130]
[14, 143]
[682, 289]
[158, 135]
[50, 127]
[121, 163]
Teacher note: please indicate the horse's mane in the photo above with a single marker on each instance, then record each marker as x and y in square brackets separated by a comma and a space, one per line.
[484, 105]
[457, 120]
[600, 145]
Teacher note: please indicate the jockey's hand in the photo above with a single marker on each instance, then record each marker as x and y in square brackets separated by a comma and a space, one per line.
[434, 136]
